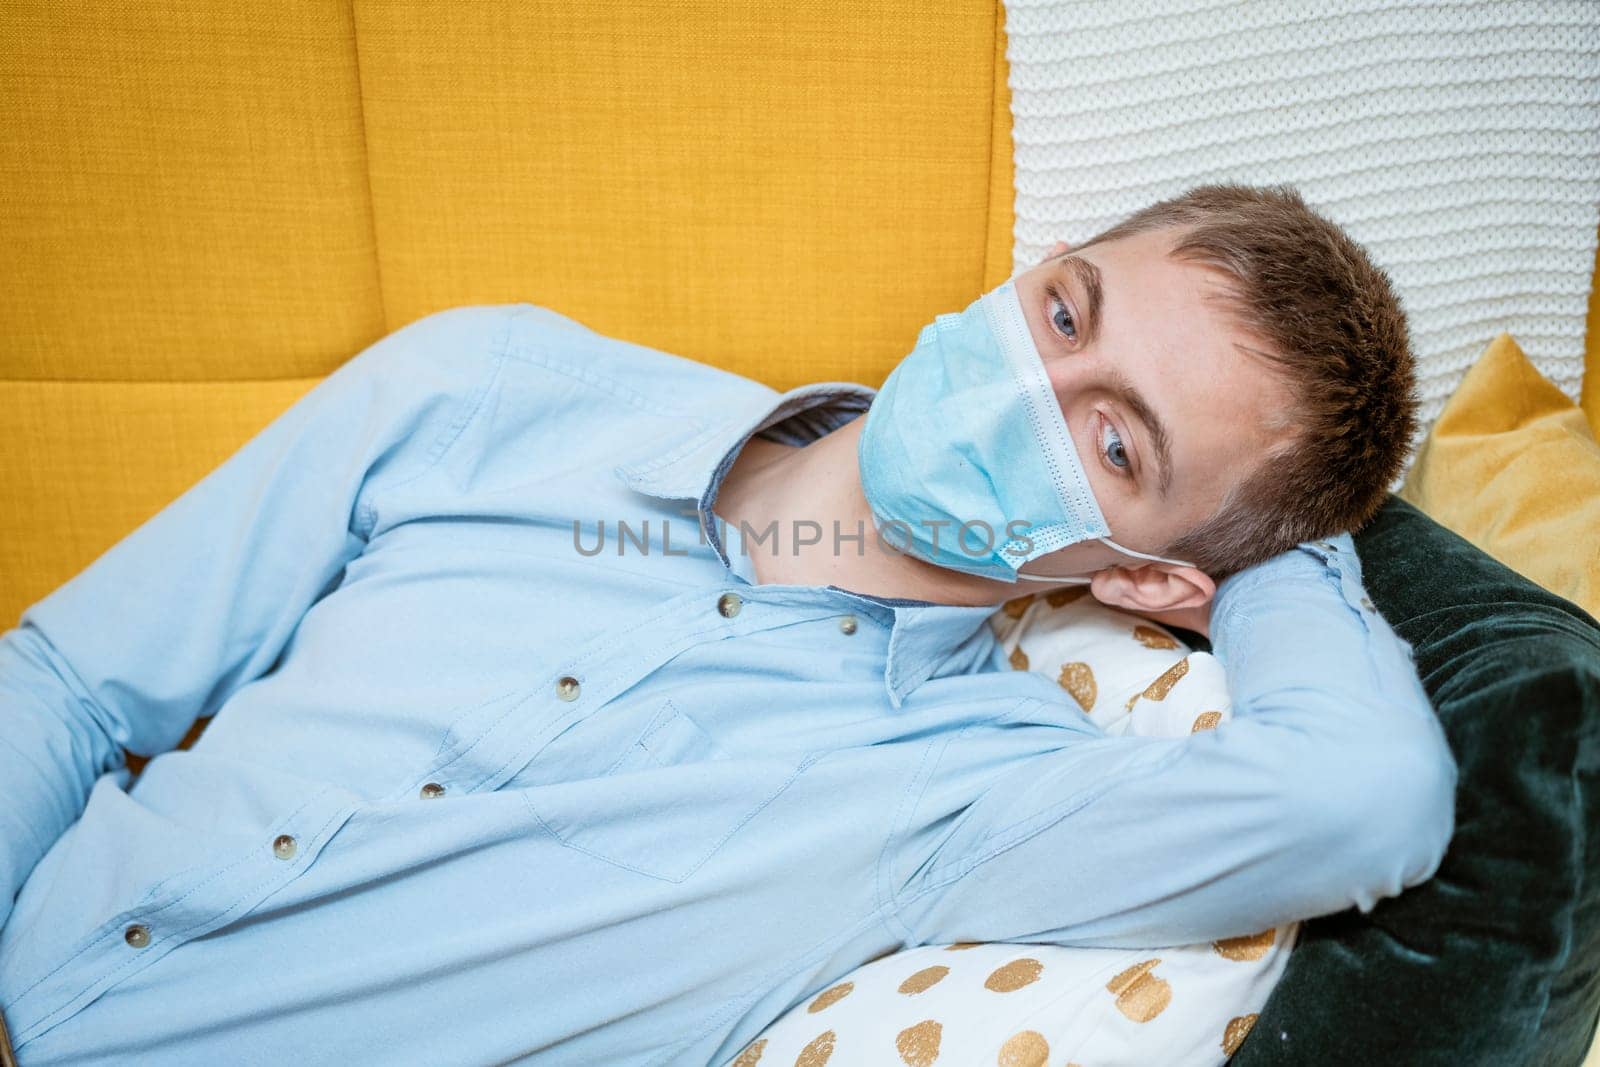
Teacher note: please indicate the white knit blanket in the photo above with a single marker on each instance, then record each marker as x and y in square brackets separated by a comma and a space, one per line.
[1458, 141]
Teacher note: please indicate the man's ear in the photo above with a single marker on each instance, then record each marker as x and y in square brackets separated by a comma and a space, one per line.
[1055, 250]
[1153, 587]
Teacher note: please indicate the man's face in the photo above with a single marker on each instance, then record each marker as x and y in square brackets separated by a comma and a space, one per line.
[1155, 328]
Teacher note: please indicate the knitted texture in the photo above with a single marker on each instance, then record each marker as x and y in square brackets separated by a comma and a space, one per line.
[1459, 142]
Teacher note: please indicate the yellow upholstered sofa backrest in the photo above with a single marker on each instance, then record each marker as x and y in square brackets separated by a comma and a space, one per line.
[208, 207]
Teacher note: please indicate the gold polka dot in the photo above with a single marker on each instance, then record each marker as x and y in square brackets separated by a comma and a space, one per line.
[1141, 996]
[1237, 1030]
[1019, 659]
[1078, 679]
[1125, 977]
[1248, 947]
[831, 996]
[1150, 637]
[959, 945]
[924, 979]
[1010, 977]
[1206, 720]
[1059, 597]
[919, 1045]
[751, 1055]
[1026, 1049]
[818, 1052]
[1015, 608]
[1158, 689]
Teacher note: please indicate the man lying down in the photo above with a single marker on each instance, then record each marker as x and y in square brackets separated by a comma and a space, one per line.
[513, 761]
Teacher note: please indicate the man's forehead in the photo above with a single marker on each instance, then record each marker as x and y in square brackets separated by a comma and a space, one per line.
[1135, 274]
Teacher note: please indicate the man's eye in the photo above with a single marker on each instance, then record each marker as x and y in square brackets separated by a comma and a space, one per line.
[1060, 316]
[1116, 452]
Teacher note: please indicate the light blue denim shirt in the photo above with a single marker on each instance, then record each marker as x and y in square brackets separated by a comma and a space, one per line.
[475, 793]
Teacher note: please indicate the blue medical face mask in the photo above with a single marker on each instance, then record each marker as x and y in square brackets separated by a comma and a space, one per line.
[965, 456]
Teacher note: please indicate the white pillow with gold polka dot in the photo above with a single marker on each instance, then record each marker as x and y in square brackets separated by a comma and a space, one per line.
[1016, 1005]
[1128, 674]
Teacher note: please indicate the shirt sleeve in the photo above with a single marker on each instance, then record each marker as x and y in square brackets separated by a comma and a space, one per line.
[1332, 785]
[202, 597]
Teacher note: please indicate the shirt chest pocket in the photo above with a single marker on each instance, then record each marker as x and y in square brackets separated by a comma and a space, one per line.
[660, 799]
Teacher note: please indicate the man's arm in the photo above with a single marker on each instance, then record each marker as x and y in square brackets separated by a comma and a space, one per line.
[1333, 785]
[202, 598]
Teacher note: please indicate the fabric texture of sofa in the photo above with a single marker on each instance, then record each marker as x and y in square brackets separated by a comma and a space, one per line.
[210, 207]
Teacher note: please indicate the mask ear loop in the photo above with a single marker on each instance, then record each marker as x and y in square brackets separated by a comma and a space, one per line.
[1085, 579]
[1075, 580]
[1147, 555]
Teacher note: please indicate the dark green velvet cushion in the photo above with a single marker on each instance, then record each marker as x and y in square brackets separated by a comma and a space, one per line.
[1496, 959]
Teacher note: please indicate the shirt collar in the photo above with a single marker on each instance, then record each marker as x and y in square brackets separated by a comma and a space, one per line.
[695, 468]
[926, 639]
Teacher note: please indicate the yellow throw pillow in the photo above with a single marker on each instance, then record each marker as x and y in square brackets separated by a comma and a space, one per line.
[1512, 466]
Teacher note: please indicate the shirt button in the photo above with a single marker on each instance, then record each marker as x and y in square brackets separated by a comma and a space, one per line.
[137, 935]
[847, 625]
[567, 687]
[1366, 602]
[283, 847]
[431, 790]
[728, 605]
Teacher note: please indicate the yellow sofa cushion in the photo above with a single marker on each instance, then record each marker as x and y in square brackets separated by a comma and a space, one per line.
[83, 463]
[221, 204]
[185, 193]
[788, 197]
[1513, 466]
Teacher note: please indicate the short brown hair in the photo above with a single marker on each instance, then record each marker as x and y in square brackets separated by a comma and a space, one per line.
[1323, 317]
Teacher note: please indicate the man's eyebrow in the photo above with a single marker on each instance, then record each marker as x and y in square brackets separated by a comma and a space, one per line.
[1124, 391]
[1088, 276]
